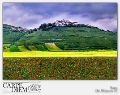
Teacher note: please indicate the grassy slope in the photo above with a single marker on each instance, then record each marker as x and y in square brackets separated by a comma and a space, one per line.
[10, 37]
[73, 38]
[14, 48]
[66, 38]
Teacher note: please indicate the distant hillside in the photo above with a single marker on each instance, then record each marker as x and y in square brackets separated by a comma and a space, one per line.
[7, 28]
[66, 36]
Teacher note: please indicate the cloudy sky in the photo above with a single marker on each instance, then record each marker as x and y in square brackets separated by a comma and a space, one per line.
[31, 15]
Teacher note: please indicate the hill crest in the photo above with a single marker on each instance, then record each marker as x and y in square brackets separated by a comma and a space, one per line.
[47, 26]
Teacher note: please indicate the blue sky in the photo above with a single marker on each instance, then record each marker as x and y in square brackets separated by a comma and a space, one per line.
[31, 15]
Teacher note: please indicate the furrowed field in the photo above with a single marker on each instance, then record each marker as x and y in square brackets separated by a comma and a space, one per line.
[60, 68]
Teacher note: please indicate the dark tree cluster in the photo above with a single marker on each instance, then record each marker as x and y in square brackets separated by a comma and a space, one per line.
[35, 29]
[30, 31]
[45, 26]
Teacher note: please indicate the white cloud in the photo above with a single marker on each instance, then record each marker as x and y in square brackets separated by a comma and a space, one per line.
[66, 16]
[106, 23]
[19, 16]
[7, 4]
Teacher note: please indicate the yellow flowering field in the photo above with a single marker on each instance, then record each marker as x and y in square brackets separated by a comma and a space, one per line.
[60, 54]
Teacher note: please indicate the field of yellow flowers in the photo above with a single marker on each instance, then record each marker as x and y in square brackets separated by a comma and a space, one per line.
[61, 54]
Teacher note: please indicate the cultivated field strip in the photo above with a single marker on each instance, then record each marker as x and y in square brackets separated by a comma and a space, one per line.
[52, 47]
[23, 48]
[7, 50]
[6, 47]
[61, 54]
[33, 48]
[41, 48]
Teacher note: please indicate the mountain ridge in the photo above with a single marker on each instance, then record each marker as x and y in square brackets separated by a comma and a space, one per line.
[47, 26]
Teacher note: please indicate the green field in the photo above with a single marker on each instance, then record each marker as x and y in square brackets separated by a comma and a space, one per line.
[23, 48]
[7, 50]
[6, 47]
[32, 48]
[52, 47]
[41, 48]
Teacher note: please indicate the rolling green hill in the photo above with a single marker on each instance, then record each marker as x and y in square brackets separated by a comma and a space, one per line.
[65, 38]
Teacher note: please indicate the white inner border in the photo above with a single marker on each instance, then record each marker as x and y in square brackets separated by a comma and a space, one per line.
[77, 87]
